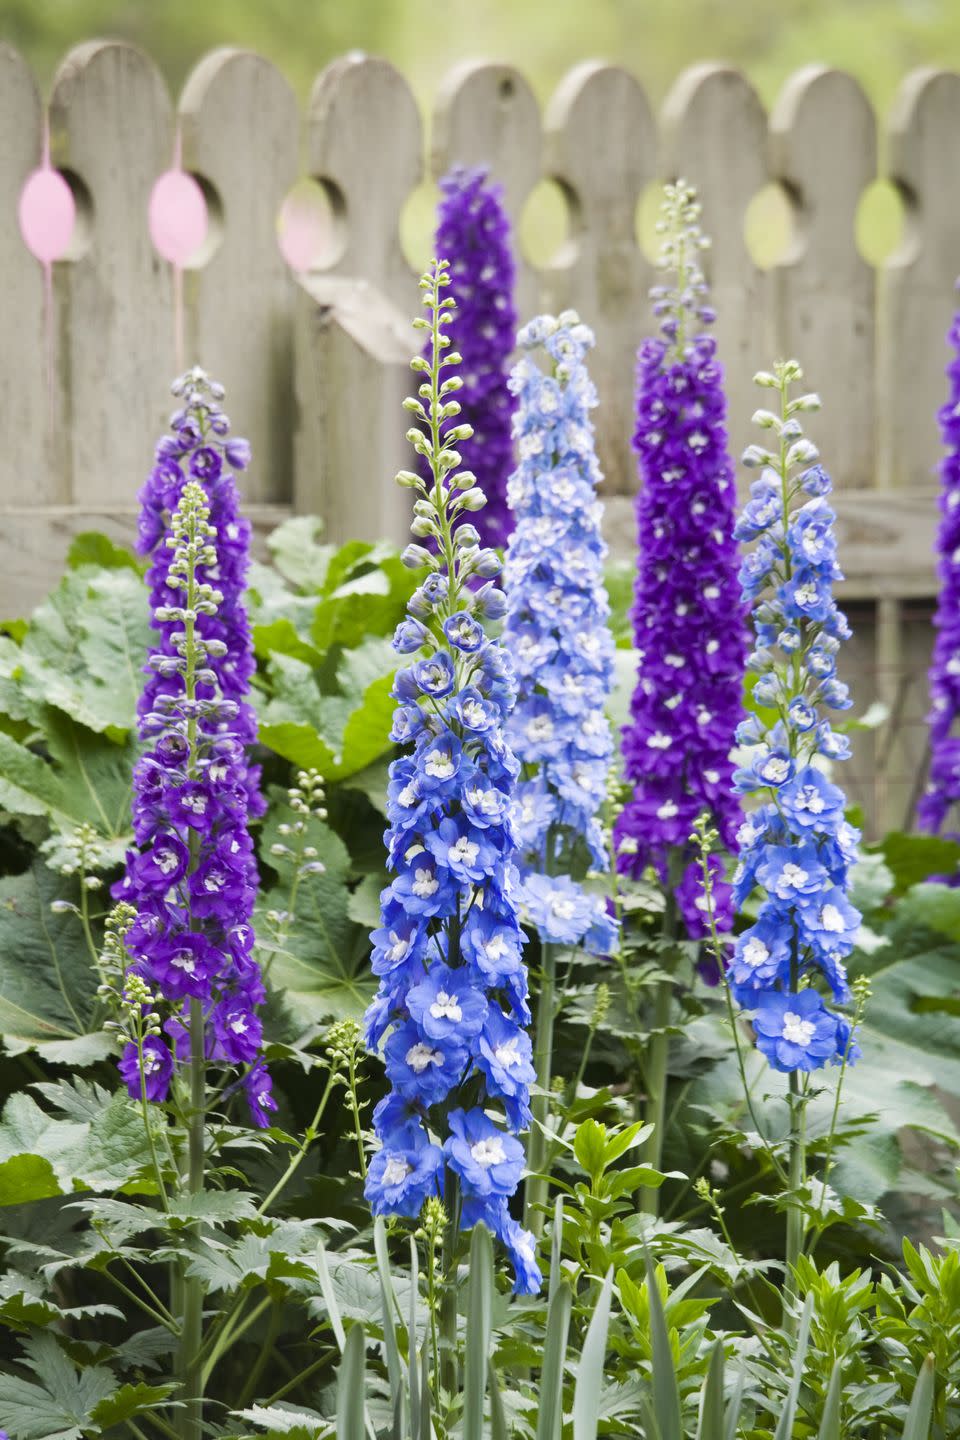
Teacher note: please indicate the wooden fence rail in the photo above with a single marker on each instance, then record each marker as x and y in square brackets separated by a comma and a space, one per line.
[314, 360]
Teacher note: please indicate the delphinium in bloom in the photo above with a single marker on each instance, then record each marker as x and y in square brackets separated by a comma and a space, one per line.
[943, 786]
[192, 878]
[688, 621]
[562, 651]
[796, 846]
[473, 232]
[452, 1001]
[199, 447]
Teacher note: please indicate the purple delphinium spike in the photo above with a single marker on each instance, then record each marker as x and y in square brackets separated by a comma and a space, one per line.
[688, 620]
[943, 783]
[199, 447]
[192, 878]
[452, 1002]
[473, 232]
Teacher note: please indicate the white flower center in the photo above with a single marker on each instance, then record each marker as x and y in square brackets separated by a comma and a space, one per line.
[445, 1007]
[396, 1171]
[776, 769]
[151, 1062]
[440, 765]
[167, 861]
[563, 909]
[420, 1056]
[488, 1152]
[810, 799]
[831, 919]
[755, 953]
[474, 713]
[397, 948]
[495, 948]
[667, 810]
[465, 851]
[539, 728]
[659, 741]
[507, 1055]
[183, 960]
[425, 883]
[805, 595]
[408, 796]
[797, 1030]
[793, 876]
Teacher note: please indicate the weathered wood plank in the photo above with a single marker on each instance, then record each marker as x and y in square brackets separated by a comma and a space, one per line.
[110, 124]
[353, 371]
[824, 292]
[34, 540]
[923, 150]
[241, 133]
[364, 140]
[602, 150]
[487, 115]
[715, 135]
[30, 443]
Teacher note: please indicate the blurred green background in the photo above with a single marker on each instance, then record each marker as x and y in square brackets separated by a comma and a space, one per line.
[878, 41]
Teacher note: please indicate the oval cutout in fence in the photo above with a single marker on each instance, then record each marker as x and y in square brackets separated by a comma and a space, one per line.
[177, 217]
[48, 214]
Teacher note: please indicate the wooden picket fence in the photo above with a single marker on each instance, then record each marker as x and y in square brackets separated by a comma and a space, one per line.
[315, 362]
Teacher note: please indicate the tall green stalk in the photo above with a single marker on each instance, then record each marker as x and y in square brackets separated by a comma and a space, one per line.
[535, 1190]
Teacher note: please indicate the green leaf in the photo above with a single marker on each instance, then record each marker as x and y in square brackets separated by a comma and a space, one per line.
[590, 1147]
[936, 906]
[914, 858]
[25, 1178]
[666, 1390]
[297, 553]
[479, 1312]
[323, 963]
[351, 1387]
[550, 1417]
[871, 881]
[101, 1153]
[91, 547]
[85, 647]
[388, 1302]
[784, 1428]
[278, 1420]
[59, 1405]
[129, 1400]
[498, 1418]
[916, 1426]
[710, 1426]
[590, 1370]
[830, 1420]
[47, 979]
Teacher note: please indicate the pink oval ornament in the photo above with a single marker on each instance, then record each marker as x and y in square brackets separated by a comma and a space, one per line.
[47, 213]
[177, 217]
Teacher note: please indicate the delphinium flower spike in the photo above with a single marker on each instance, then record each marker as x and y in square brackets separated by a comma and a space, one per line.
[688, 626]
[562, 650]
[688, 622]
[452, 1001]
[192, 878]
[797, 847]
[473, 232]
[943, 784]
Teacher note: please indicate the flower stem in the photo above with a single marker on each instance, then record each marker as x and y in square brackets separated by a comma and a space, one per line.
[449, 1360]
[190, 1367]
[795, 1225]
[535, 1191]
[654, 1109]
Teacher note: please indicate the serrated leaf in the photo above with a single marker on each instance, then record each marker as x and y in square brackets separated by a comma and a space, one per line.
[91, 547]
[100, 1153]
[59, 1405]
[129, 1400]
[25, 1178]
[85, 647]
[297, 553]
[280, 1421]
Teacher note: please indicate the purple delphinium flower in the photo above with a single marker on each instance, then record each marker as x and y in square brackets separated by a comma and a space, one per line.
[192, 878]
[796, 846]
[199, 447]
[943, 784]
[688, 621]
[473, 232]
[452, 1000]
[556, 631]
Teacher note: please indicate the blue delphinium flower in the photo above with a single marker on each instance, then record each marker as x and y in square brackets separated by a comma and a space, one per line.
[942, 792]
[796, 846]
[192, 878]
[556, 631]
[452, 1001]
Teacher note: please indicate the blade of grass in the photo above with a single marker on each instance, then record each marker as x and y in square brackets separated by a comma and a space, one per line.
[586, 1395]
[784, 1428]
[666, 1391]
[550, 1418]
[498, 1418]
[479, 1312]
[388, 1303]
[916, 1426]
[830, 1420]
[351, 1387]
[710, 1426]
